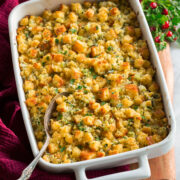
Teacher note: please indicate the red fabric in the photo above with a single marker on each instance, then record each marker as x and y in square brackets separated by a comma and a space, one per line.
[15, 152]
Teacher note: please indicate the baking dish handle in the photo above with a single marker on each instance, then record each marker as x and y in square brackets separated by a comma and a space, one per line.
[143, 171]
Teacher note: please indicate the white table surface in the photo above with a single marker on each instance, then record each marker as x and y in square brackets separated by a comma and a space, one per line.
[175, 54]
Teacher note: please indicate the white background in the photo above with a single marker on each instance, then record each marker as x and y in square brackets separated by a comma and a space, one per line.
[175, 54]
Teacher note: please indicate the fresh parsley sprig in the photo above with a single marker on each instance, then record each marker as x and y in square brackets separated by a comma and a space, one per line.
[163, 16]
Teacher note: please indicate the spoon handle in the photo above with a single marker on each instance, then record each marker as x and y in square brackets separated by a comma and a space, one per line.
[26, 174]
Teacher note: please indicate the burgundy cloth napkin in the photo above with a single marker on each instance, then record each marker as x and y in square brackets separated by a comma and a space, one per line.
[15, 152]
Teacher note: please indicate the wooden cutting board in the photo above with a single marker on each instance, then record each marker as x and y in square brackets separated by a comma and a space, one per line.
[163, 168]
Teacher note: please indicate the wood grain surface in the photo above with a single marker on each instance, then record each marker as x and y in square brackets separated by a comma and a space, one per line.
[163, 168]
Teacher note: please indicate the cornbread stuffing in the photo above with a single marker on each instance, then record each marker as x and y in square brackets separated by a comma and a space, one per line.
[96, 52]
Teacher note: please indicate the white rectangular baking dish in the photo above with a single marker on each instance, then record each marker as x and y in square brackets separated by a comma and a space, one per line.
[36, 7]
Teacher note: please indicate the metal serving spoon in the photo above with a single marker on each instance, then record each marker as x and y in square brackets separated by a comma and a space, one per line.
[29, 169]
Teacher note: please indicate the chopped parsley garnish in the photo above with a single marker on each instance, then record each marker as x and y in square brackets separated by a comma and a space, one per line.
[73, 30]
[130, 119]
[57, 41]
[72, 81]
[80, 147]
[130, 78]
[62, 148]
[85, 91]
[65, 52]
[79, 87]
[97, 139]
[47, 57]
[119, 105]
[103, 103]
[135, 107]
[106, 145]
[88, 114]
[94, 76]
[56, 90]
[43, 64]
[143, 117]
[27, 35]
[97, 27]
[80, 126]
[110, 48]
[91, 69]
[59, 116]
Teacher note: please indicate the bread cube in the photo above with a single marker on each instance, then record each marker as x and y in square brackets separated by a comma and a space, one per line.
[52, 148]
[59, 29]
[89, 13]
[79, 46]
[104, 94]
[94, 145]
[57, 57]
[57, 81]
[131, 90]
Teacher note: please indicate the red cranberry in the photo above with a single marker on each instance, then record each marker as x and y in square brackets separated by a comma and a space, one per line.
[175, 39]
[140, 1]
[153, 5]
[169, 34]
[157, 39]
[165, 25]
[153, 28]
[165, 11]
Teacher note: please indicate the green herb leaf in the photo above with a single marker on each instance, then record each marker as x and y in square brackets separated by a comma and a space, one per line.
[119, 105]
[103, 103]
[57, 41]
[110, 48]
[79, 87]
[59, 116]
[106, 145]
[43, 64]
[27, 35]
[56, 90]
[143, 117]
[130, 119]
[156, 18]
[97, 139]
[62, 149]
[73, 30]
[80, 147]
[81, 126]
[88, 114]
[85, 91]
[72, 81]
[135, 107]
